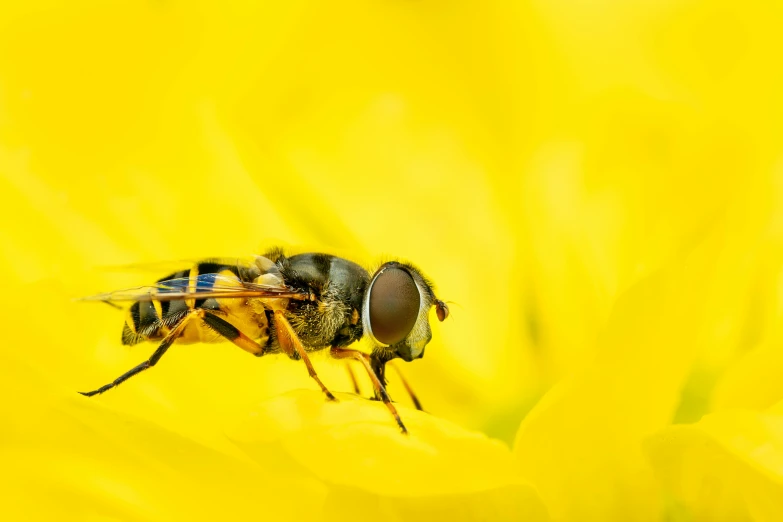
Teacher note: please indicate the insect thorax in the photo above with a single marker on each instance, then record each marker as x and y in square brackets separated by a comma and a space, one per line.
[339, 286]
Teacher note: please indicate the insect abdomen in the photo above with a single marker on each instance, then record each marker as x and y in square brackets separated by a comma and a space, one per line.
[149, 320]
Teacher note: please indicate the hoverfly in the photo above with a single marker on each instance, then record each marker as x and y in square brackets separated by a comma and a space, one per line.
[294, 305]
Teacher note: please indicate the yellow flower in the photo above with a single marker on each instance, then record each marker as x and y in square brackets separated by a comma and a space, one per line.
[595, 186]
[293, 457]
[725, 467]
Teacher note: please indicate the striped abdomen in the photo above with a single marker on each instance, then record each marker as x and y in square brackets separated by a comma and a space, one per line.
[152, 320]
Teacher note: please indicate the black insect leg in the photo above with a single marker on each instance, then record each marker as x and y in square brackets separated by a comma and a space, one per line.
[342, 353]
[232, 333]
[408, 388]
[149, 363]
[355, 382]
[378, 364]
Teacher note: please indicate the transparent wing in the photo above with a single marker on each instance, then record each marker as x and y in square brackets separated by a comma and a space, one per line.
[202, 287]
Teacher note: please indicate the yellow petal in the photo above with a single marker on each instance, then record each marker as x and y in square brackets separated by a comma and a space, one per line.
[69, 458]
[581, 445]
[753, 382]
[728, 466]
[355, 447]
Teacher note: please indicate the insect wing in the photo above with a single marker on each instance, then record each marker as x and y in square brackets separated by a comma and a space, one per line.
[202, 287]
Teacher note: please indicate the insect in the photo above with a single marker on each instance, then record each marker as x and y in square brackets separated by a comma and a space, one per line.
[294, 305]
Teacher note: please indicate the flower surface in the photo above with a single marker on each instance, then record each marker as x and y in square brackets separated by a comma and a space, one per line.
[594, 187]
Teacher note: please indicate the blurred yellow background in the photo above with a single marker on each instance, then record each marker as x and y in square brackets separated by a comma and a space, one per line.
[594, 186]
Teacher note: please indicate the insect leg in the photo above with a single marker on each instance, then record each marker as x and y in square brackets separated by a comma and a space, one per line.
[232, 333]
[408, 388]
[378, 365]
[290, 343]
[342, 353]
[353, 379]
[149, 363]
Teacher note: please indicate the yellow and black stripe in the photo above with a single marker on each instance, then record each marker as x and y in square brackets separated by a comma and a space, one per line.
[150, 320]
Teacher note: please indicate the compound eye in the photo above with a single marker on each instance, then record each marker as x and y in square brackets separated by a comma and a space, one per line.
[394, 305]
